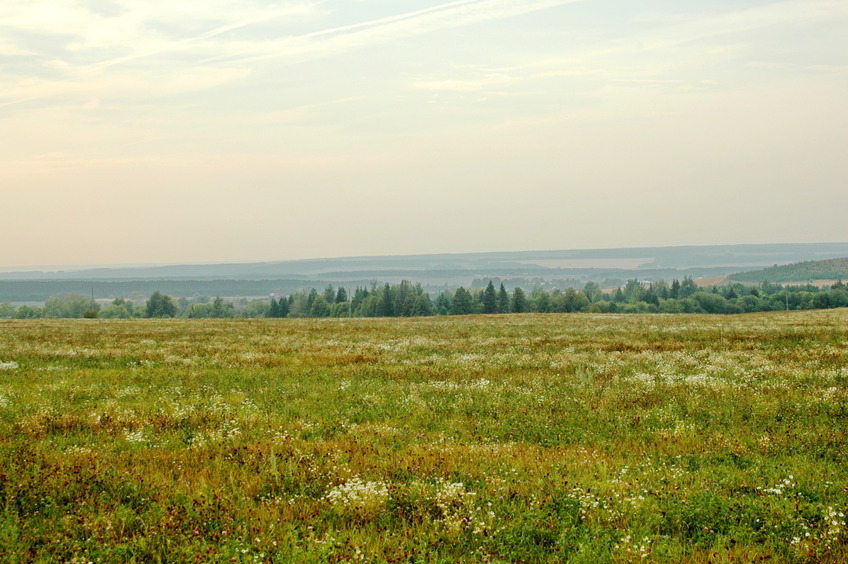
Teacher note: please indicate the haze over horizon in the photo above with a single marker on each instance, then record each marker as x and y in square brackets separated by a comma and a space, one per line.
[183, 132]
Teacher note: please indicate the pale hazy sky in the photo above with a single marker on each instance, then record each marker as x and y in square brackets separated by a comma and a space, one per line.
[160, 131]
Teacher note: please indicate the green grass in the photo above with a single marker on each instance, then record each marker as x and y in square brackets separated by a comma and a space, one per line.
[539, 438]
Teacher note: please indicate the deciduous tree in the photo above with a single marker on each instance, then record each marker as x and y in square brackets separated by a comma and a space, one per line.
[160, 305]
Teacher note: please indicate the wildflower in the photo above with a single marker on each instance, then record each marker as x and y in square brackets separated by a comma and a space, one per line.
[359, 498]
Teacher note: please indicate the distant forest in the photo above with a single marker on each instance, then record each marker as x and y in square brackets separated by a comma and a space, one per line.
[832, 269]
[410, 300]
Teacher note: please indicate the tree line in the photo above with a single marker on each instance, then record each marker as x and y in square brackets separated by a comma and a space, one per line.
[410, 300]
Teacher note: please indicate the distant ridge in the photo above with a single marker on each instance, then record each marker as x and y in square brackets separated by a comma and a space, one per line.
[799, 272]
[609, 268]
[719, 260]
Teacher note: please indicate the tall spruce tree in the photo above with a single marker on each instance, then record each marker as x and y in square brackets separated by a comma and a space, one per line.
[503, 300]
[386, 307]
[490, 299]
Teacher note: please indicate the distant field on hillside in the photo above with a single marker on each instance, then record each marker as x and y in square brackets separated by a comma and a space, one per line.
[522, 438]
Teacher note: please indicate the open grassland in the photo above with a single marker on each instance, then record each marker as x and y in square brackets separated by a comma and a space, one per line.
[479, 439]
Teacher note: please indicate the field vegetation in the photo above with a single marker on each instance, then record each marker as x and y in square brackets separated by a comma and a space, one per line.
[496, 438]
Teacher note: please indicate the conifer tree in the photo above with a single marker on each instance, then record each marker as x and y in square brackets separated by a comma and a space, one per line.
[386, 307]
[674, 293]
[461, 304]
[687, 287]
[359, 295]
[422, 306]
[217, 309]
[330, 294]
[490, 299]
[341, 296]
[519, 301]
[443, 303]
[503, 300]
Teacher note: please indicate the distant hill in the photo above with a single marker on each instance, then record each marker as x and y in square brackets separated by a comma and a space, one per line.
[800, 272]
[645, 262]
[547, 269]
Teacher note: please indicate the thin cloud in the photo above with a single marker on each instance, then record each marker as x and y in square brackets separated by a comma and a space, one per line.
[672, 57]
[217, 47]
[693, 29]
[652, 55]
[345, 38]
[201, 41]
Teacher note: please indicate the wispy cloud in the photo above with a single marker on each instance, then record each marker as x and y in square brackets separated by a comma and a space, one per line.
[162, 42]
[668, 57]
[384, 30]
[661, 48]
[138, 27]
[689, 29]
[202, 44]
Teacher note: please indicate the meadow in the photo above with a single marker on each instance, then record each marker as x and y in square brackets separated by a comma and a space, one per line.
[520, 438]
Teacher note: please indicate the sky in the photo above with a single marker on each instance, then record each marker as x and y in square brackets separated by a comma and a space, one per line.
[187, 131]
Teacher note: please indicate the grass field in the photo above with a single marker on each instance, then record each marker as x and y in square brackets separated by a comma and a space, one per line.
[477, 439]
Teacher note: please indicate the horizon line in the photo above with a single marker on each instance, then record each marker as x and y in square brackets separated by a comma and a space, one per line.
[24, 269]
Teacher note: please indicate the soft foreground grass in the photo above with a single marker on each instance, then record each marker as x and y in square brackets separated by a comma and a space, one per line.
[482, 439]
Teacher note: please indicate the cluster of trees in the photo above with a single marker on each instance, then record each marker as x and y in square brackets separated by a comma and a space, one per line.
[688, 297]
[399, 300]
[157, 305]
[410, 300]
[684, 296]
[69, 305]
